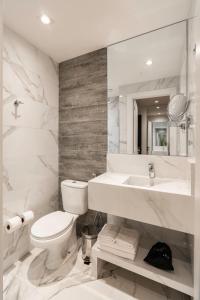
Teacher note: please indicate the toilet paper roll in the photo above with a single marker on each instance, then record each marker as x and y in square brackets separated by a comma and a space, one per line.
[27, 217]
[13, 224]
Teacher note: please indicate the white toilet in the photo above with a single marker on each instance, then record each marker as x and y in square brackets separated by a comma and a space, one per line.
[56, 231]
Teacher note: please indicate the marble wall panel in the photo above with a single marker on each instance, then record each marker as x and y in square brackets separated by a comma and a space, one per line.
[165, 166]
[30, 141]
[151, 85]
[191, 90]
[113, 125]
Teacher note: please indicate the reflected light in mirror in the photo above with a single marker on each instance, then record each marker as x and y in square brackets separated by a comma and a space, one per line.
[197, 50]
[149, 62]
[45, 19]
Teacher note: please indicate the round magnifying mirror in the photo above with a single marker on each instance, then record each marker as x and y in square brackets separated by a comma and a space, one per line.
[177, 107]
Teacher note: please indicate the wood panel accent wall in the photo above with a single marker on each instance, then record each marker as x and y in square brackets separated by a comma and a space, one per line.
[83, 116]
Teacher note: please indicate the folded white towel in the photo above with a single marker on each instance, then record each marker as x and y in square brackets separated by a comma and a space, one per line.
[120, 241]
[108, 233]
[127, 238]
[115, 246]
[130, 256]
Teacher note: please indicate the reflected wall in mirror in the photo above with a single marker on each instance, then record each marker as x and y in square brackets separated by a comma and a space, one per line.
[152, 126]
[144, 73]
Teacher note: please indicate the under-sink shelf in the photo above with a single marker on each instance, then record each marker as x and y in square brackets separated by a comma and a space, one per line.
[180, 279]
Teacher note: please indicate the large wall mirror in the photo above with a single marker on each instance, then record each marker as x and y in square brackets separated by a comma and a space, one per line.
[147, 75]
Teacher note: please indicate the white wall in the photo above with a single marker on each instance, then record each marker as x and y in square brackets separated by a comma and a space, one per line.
[30, 148]
[195, 81]
[1, 200]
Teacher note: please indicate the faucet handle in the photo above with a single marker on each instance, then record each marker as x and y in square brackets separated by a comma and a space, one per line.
[150, 165]
[151, 170]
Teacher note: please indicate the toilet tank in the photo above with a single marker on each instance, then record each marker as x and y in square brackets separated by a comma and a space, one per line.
[74, 196]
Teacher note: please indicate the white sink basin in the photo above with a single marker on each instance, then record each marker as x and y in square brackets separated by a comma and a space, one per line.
[164, 202]
[143, 181]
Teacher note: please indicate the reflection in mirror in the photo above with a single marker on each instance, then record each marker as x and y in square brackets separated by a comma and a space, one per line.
[152, 126]
[144, 75]
[177, 107]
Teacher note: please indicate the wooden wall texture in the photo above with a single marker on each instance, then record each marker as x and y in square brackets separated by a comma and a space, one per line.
[83, 116]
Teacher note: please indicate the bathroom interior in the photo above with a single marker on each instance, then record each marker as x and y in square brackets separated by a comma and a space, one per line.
[100, 149]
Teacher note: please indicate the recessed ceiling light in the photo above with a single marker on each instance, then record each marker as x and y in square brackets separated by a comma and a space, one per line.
[158, 113]
[45, 19]
[156, 101]
[120, 96]
[149, 62]
[157, 107]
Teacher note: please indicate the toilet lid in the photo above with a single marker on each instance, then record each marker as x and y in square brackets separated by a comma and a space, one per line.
[52, 224]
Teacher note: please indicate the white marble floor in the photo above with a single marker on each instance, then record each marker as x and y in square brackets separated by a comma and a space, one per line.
[121, 285]
[28, 279]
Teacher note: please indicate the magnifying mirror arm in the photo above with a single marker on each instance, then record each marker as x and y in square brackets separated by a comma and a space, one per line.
[184, 124]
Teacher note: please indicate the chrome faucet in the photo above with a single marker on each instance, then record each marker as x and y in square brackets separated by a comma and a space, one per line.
[151, 170]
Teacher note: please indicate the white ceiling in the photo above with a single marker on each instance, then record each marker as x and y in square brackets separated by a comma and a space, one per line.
[81, 26]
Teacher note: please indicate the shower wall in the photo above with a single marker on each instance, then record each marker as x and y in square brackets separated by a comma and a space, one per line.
[30, 147]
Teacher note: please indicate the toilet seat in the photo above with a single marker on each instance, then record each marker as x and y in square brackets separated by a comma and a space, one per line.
[52, 225]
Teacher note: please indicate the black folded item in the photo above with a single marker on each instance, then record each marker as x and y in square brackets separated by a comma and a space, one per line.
[160, 256]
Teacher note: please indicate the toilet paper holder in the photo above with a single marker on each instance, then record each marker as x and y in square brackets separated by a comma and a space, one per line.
[19, 221]
[26, 217]
[13, 224]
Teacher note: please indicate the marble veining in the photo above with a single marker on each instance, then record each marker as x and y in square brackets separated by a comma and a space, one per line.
[113, 125]
[165, 166]
[158, 205]
[121, 286]
[151, 85]
[47, 165]
[29, 276]
[29, 279]
[123, 125]
[6, 180]
[9, 131]
[30, 141]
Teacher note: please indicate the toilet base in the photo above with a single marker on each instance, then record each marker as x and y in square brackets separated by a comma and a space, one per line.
[58, 254]
[59, 248]
[54, 257]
